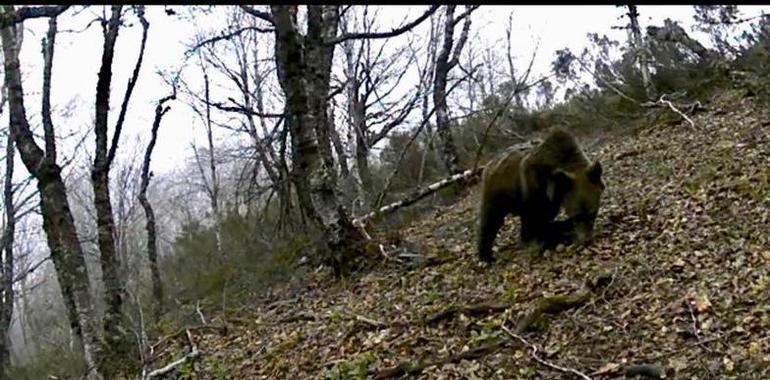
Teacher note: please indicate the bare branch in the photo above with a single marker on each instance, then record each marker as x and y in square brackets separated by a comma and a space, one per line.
[419, 194]
[30, 270]
[258, 14]
[226, 36]
[392, 33]
[16, 16]
[239, 108]
[130, 88]
[48, 50]
[468, 11]
[164, 370]
[463, 35]
[670, 105]
[542, 361]
[520, 82]
[606, 82]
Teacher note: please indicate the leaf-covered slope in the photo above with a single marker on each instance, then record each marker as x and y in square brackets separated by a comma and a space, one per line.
[682, 248]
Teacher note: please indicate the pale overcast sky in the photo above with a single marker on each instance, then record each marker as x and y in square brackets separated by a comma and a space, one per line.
[78, 54]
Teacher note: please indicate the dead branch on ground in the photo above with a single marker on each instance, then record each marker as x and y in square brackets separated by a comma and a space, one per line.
[472, 310]
[419, 194]
[665, 102]
[193, 354]
[541, 360]
[417, 367]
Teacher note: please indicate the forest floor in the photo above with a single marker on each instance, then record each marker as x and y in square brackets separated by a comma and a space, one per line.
[678, 277]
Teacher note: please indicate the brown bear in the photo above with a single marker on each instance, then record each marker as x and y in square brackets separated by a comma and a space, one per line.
[535, 185]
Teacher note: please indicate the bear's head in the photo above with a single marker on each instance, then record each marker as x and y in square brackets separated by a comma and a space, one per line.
[581, 191]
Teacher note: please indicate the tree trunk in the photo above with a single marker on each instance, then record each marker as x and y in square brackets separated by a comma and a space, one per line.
[443, 65]
[356, 115]
[58, 224]
[304, 68]
[214, 191]
[342, 156]
[70, 264]
[321, 22]
[152, 244]
[362, 164]
[7, 302]
[358, 118]
[640, 51]
[114, 330]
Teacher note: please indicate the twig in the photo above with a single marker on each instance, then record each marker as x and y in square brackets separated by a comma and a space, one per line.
[369, 321]
[362, 227]
[542, 361]
[194, 353]
[670, 105]
[696, 330]
[687, 347]
[630, 153]
[154, 347]
[200, 313]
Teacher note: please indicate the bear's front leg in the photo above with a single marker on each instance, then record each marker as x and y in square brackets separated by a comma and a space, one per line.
[531, 235]
[538, 235]
[491, 219]
[558, 232]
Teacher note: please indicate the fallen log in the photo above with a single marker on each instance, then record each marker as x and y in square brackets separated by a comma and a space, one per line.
[471, 310]
[551, 306]
[471, 175]
[416, 367]
[419, 194]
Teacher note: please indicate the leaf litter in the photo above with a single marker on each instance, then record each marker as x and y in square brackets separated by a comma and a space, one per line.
[682, 252]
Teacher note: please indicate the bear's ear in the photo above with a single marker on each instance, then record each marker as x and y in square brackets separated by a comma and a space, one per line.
[595, 172]
[560, 183]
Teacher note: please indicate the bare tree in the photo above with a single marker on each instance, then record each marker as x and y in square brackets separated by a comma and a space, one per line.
[114, 329]
[372, 76]
[304, 67]
[152, 244]
[447, 58]
[640, 50]
[7, 270]
[58, 223]
[249, 76]
[303, 62]
[213, 187]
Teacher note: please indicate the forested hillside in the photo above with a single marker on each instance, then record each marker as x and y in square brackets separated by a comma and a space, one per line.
[292, 192]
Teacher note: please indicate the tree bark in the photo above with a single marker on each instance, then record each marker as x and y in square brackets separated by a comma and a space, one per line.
[342, 155]
[322, 26]
[356, 109]
[304, 69]
[640, 51]
[58, 223]
[443, 65]
[114, 331]
[152, 244]
[214, 189]
[7, 302]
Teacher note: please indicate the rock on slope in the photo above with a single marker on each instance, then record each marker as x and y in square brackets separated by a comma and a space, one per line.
[683, 246]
